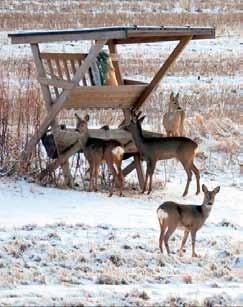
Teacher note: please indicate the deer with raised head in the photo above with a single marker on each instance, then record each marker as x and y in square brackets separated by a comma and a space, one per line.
[173, 120]
[97, 151]
[153, 149]
[189, 218]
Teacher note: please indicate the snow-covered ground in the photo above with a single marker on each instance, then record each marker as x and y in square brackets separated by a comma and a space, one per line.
[72, 247]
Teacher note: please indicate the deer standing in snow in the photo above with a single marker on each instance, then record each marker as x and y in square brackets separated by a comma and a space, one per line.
[173, 120]
[189, 218]
[153, 149]
[96, 151]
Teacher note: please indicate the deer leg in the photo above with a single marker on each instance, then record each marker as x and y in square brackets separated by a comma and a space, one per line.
[96, 171]
[169, 232]
[161, 237]
[91, 177]
[189, 177]
[197, 174]
[193, 236]
[121, 178]
[151, 172]
[114, 176]
[146, 177]
[183, 242]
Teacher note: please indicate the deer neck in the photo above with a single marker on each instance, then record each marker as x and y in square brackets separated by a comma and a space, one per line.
[206, 209]
[138, 136]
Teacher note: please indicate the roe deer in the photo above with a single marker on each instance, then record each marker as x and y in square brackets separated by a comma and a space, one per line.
[153, 149]
[189, 218]
[173, 120]
[96, 151]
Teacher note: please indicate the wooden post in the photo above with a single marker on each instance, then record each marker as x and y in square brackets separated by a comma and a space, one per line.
[139, 170]
[48, 102]
[59, 103]
[135, 164]
[160, 74]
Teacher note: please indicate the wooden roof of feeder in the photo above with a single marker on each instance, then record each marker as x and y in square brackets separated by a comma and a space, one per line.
[119, 35]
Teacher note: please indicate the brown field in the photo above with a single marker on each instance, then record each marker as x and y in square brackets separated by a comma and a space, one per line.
[216, 95]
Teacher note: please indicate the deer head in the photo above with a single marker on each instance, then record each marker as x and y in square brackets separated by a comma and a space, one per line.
[81, 123]
[174, 103]
[209, 196]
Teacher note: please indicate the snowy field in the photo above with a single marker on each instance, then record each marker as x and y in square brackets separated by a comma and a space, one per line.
[77, 248]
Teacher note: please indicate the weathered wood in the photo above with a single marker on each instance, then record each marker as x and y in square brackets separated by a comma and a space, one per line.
[58, 37]
[63, 56]
[51, 70]
[162, 71]
[56, 83]
[139, 169]
[123, 96]
[124, 34]
[41, 73]
[58, 105]
[66, 70]
[129, 168]
[134, 82]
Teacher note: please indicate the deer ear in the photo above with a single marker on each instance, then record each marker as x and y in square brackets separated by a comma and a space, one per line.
[87, 117]
[177, 96]
[204, 188]
[77, 117]
[216, 190]
[138, 114]
[141, 119]
[171, 95]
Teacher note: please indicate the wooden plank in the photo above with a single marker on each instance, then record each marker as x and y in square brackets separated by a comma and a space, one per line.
[56, 37]
[51, 70]
[63, 56]
[66, 70]
[110, 33]
[73, 66]
[139, 169]
[170, 32]
[113, 50]
[123, 96]
[59, 69]
[162, 71]
[134, 82]
[56, 83]
[129, 168]
[58, 105]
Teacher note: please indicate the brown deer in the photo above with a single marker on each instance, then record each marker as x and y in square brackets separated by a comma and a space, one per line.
[96, 151]
[173, 120]
[153, 149]
[189, 218]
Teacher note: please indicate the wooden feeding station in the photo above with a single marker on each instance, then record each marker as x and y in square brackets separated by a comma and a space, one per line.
[64, 79]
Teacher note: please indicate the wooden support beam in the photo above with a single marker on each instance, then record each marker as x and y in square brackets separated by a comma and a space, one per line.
[160, 74]
[129, 168]
[139, 170]
[135, 164]
[134, 82]
[59, 103]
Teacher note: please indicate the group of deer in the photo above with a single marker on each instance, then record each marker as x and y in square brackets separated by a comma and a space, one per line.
[151, 149]
[171, 215]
